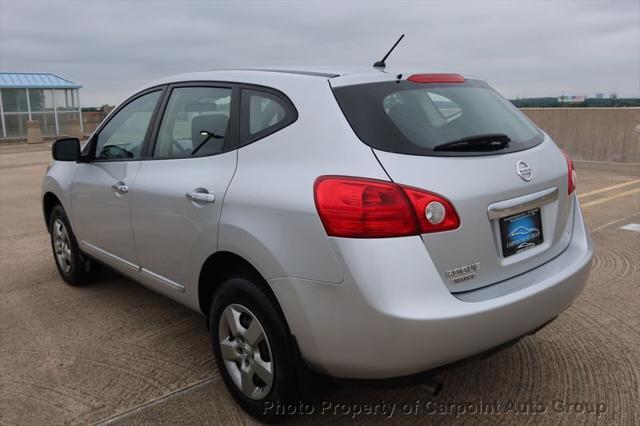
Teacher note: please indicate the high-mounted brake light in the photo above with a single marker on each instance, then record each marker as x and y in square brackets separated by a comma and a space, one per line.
[369, 208]
[572, 179]
[436, 78]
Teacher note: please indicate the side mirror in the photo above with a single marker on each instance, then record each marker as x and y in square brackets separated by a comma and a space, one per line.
[67, 149]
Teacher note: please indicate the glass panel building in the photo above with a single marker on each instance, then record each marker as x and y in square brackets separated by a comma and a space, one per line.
[51, 100]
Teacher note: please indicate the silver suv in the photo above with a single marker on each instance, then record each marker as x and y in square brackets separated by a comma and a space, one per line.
[372, 224]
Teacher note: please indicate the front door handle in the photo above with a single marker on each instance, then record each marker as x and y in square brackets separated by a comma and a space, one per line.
[120, 187]
[201, 195]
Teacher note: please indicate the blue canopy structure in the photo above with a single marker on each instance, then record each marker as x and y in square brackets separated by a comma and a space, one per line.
[12, 80]
[51, 100]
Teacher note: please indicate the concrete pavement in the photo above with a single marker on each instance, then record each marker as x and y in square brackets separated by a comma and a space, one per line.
[115, 352]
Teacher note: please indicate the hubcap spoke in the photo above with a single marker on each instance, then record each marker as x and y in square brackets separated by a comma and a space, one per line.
[263, 370]
[253, 334]
[67, 252]
[56, 232]
[233, 320]
[229, 350]
[246, 377]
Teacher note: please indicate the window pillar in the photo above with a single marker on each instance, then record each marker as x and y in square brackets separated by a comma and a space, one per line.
[28, 104]
[79, 111]
[4, 128]
[55, 111]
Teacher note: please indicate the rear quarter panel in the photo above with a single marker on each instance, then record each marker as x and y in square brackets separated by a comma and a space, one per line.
[269, 215]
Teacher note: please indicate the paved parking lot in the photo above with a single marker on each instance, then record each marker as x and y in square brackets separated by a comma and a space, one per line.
[115, 352]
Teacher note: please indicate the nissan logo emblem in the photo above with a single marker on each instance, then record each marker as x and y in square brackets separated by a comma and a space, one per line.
[524, 171]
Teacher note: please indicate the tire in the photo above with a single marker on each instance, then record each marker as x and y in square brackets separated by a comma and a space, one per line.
[73, 268]
[238, 304]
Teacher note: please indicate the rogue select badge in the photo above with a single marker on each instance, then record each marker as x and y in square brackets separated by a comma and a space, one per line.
[463, 273]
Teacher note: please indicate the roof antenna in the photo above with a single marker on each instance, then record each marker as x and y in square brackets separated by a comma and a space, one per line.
[380, 64]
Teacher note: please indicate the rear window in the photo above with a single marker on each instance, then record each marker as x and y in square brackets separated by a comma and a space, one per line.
[263, 113]
[413, 118]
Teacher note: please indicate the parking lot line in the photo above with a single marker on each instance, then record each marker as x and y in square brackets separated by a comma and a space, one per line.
[613, 222]
[613, 197]
[609, 188]
[160, 399]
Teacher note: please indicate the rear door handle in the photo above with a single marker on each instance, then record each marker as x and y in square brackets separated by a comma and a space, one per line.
[201, 196]
[120, 187]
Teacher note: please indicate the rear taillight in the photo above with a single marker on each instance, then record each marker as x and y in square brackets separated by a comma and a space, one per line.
[368, 208]
[433, 212]
[572, 176]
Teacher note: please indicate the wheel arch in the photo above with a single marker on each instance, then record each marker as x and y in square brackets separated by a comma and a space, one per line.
[49, 201]
[223, 265]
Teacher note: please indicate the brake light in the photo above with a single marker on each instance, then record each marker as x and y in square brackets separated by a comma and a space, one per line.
[572, 176]
[369, 208]
[436, 78]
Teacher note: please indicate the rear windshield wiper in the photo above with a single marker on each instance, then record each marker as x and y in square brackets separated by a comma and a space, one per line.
[488, 142]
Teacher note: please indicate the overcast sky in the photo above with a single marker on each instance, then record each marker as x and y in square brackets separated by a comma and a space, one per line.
[523, 48]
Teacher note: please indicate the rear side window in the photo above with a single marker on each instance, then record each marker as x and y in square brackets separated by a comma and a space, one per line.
[413, 118]
[195, 123]
[264, 113]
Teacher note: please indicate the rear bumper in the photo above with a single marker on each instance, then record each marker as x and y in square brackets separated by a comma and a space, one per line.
[393, 316]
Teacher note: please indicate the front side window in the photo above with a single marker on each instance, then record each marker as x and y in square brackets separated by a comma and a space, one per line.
[264, 113]
[195, 123]
[123, 136]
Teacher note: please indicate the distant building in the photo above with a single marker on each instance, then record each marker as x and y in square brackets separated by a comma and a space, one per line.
[46, 98]
[599, 95]
[565, 99]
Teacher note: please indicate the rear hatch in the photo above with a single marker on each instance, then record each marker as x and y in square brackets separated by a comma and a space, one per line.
[506, 179]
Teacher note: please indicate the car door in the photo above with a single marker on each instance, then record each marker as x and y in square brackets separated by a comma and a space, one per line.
[101, 187]
[178, 194]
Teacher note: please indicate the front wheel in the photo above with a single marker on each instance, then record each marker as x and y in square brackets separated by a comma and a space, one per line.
[71, 266]
[252, 347]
